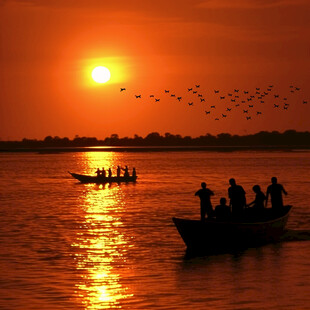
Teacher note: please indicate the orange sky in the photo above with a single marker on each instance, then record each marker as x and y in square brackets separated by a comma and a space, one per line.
[48, 49]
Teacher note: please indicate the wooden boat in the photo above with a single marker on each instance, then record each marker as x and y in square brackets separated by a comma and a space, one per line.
[102, 180]
[252, 229]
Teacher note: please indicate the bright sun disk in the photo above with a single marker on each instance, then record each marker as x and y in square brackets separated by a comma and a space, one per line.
[101, 74]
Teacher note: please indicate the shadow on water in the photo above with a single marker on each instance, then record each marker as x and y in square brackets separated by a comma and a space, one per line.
[295, 235]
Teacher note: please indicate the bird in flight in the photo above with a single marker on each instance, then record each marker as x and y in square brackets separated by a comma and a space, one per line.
[216, 91]
[223, 115]
[179, 98]
[138, 96]
[228, 109]
[236, 90]
[190, 103]
[245, 111]
[202, 99]
[197, 86]
[222, 97]
[248, 118]
[207, 112]
[275, 105]
[166, 91]
[250, 105]
[122, 89]
[258, 113]
[189, 89]
[152, 96]
[212, 106]
[172, 95]
[156, 100]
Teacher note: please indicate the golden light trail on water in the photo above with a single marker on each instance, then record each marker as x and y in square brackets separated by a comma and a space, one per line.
[101, 244]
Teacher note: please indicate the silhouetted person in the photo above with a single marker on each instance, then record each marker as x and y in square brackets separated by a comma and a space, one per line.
[118, 171]
[222, 211]
[109, 173]
[126, 172]
[258, 202]
[236, 194]
[134, 173]
[205, 203]
[275, 191]
[98, 172]
[103, 173]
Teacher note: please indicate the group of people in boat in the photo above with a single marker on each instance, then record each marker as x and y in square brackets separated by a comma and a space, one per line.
[237, 198]
[103, 173]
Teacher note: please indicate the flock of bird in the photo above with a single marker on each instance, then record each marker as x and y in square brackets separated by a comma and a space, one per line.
[219, 104]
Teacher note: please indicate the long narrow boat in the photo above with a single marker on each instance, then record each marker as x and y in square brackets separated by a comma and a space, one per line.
[102, 180]
[252, 229]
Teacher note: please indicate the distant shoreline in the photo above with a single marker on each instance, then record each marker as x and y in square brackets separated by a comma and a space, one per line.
[55, 150]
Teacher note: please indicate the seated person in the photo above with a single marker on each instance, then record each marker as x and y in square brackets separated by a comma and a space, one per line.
[222, 211]
[258, 202]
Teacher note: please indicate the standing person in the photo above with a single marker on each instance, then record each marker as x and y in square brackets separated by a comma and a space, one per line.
[258, 202]
[118, 171]
[275, 191]
[134, 173]
[126, 173]
[109, 173]
[205, 203]
[98, 172]
[103, 173]
[236, 194]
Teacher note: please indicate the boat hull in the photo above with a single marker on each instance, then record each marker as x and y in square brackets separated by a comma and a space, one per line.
[215, 236]
[102, 180]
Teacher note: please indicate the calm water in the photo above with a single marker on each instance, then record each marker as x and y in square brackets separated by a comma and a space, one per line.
[66, 245]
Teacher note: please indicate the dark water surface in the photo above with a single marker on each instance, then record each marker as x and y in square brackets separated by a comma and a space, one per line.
[66, 245]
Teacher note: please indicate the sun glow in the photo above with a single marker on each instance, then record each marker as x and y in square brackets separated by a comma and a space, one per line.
[101, 74]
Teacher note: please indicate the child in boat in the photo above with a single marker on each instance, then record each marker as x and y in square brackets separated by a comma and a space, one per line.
[222, 211]
[258, 202]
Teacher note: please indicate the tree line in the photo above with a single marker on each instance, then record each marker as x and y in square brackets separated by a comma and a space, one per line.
[263, 138]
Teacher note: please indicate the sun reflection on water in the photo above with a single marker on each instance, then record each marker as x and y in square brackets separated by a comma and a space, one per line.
[101, 244]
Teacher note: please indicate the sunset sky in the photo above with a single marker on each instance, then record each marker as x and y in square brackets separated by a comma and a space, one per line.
[49, 48]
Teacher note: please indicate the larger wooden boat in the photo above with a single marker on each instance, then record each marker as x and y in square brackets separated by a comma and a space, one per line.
[252, 229]
[101, 179]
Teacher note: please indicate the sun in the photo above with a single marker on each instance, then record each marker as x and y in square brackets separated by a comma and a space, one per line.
[101, 74]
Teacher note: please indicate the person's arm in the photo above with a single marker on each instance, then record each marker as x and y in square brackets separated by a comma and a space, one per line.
[251, 203]
[284, 191]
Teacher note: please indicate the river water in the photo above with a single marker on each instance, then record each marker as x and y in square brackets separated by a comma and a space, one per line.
[66, 245]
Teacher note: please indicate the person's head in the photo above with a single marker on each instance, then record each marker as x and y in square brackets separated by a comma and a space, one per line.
[274, 180]
[232, 181]
[256, 188]
[223, 201]
[203, 184]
